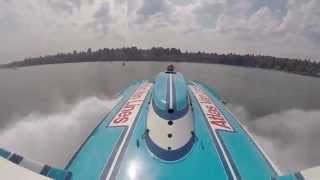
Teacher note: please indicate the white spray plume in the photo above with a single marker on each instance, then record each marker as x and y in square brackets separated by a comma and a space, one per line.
[290, 138]
[53, 138]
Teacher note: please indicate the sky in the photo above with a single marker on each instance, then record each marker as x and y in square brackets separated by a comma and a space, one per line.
[284, 28]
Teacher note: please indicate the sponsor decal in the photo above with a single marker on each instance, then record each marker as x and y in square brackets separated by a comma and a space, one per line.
[125, 118]
[216, 119]
[129, 111]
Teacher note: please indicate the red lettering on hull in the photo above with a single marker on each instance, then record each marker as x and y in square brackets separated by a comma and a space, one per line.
[216, 119]
[129, 111]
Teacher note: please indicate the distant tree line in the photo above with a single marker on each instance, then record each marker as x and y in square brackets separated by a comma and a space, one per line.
[298, 66]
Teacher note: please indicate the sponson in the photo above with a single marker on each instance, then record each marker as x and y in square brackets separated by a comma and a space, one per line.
[170, 128]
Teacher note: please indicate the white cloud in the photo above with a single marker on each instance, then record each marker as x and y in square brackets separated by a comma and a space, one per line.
[303, 19]
[103, 17]
[282, 28]
[153, 7]
[263, 21]
[207, 13]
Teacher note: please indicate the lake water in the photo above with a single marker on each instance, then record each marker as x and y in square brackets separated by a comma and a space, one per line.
[47, 111]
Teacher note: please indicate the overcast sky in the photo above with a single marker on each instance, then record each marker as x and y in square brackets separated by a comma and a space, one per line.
[286, 28]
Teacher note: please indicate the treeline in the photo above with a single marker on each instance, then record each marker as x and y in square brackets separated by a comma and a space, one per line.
[298, 66]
